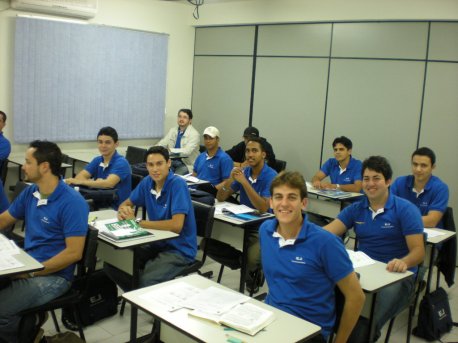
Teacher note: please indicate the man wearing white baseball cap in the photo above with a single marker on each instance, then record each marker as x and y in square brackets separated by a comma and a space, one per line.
[213, 165]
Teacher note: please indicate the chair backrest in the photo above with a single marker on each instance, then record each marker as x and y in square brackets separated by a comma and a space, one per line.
[18, 188]
[202, 148]
[135, 155]
[449, 221]
[136, 179]
[280, 165]
[3, 170]
[88, 261]
[204, 218]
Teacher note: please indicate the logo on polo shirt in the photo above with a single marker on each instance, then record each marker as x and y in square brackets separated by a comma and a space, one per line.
[298, 259]
[347, 179]
[211, 166]
[387, 225]
[45, 220]
[424, 204]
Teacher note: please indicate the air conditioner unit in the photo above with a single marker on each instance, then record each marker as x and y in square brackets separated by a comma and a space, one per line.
[67, 8]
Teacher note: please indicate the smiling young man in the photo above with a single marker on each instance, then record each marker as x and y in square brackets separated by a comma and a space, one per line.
[253, 182]
[185, 141]
[428, 192]
[303, 263]
[169, 207]
[343, 170]
[56, 219]
[389, 229]
[109, 170]
[213, 165]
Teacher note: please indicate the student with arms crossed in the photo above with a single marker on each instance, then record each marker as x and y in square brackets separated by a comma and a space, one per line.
[214, 165]
[109, 170]
[388, 229]
[343, 170]
[303, 263]
[423, 189]
[253, 182]
[169, 207]
[56, 218]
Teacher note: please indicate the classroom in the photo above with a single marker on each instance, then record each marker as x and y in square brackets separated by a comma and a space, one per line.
[302, 71]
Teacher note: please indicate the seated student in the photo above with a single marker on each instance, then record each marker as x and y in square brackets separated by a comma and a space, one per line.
[389, 229]
[343, 170]
[253, 182]
[169, 207]
[184, 140]
[426, 191]
[5, 145]
[237, 152]
[56, 218]
[303, 263]
[110, 170]
[214, 165]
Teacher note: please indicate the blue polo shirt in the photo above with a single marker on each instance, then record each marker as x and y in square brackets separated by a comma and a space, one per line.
[64, 214]
[4, 203]
[261, 185]
[173, 199]
[119, 166]
[433, 198]
[214, 169]
[351, 174]
[302, 276]
[383, 238]
[5, 147]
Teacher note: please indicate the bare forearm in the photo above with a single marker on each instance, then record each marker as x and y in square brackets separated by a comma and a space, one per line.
[350, 315]
[258, 202]
[164, 225]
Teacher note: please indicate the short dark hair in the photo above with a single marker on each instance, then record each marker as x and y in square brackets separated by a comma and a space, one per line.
[424, 151]
[3, 114]
[292, 179]
[346, 142]
[158, 150]
[187, 111]
[108, 131]
[378, 164]
[257, 140]
[48, 152]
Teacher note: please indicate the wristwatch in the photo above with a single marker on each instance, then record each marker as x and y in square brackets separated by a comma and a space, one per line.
[337, 186]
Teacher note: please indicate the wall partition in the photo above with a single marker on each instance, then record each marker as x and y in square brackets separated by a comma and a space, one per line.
[389, 86]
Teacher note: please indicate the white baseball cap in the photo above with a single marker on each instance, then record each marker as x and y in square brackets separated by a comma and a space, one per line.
[211, 131]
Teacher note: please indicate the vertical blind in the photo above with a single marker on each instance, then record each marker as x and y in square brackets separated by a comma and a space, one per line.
[72, 79]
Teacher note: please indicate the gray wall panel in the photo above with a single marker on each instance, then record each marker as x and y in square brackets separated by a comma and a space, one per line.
[289, 105]
[237, 40]
[377, 105]
[294, 40]
[380, 40]
[444, 41]
[221, 95]
[440, 123]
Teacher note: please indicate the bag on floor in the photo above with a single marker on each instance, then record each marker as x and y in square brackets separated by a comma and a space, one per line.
[434, 317]
[100, 300]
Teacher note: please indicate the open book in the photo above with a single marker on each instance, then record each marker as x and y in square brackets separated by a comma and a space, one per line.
[121, 230]
[246, 317]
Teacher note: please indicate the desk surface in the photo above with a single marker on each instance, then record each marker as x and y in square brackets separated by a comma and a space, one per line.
[29, 265]
[375, 277]
[236, 221]
[158, 235]
[285, 328]
[440, 239]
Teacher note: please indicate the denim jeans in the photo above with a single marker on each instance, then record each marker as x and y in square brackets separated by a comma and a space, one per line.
[178, 167]
[390, 301]
[164, 266]
[23, 294]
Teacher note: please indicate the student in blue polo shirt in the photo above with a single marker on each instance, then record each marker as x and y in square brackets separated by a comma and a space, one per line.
[253, 183]
[5, 145]
[110, 170]
[168, 203]
[56, 218]
[428, 192]
[303, 263]
[3, 199]
[343, 170]
[214, 165]
[389, 229]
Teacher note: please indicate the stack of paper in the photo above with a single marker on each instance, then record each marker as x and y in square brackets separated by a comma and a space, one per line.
[7, 251]
[359, 259]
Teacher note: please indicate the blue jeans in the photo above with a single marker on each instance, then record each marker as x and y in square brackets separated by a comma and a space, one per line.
[23, 294]
[390, 301]
[164, 266]
[178, 167]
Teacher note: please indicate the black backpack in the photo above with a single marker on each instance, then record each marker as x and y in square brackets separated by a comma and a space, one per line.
[434, 317]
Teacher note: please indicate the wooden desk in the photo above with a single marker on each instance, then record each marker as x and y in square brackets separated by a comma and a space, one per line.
[373, 279]
[433, 242]
[286, 328]
[29, 265]
[123, 255]
[243, 225]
